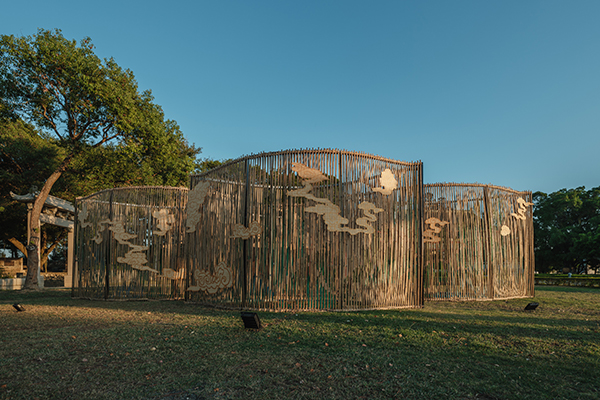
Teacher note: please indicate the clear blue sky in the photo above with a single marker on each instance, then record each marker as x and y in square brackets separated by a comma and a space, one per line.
[502, 92]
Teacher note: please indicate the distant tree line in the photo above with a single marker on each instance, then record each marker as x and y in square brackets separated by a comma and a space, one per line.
[567, 230]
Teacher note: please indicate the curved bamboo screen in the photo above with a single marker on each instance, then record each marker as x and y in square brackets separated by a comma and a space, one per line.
[129, 243]
[306, 230]
[478, 242]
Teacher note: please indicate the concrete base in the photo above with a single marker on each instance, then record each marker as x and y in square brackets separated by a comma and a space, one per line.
[69, 279]
[16, 283]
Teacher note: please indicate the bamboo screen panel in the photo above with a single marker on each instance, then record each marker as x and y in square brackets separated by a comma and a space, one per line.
[455, 237]
[129, 244]
[478, 242]
[215, 257]
[511, 242]
[307, 230]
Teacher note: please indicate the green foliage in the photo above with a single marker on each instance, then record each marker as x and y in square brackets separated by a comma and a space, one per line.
[66, 89]
[157, 148]
[26, 160]
[26, 157]
[163, 159]
[567, 229]
[64, 111]
[207, 164]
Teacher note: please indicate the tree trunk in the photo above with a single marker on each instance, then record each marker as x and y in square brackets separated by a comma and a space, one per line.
[32, 268]
[33, 255]
[43, 241]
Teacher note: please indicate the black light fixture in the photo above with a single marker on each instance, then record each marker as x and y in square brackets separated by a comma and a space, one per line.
[531, 306]
[251, 320]
[18, 307]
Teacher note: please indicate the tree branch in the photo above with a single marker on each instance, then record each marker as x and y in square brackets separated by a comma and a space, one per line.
[51, 122]
[44, 260]
[106, 139]
[19, 246]
[83, 131]
[106, 129]
[42, 81]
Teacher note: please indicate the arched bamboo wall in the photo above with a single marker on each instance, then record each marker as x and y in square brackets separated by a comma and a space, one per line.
[478, 242]
[129, 244]
[307, 230]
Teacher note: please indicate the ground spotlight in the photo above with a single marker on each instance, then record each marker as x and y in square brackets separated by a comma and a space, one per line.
[251, 320]
[531, 306]
[18, 307]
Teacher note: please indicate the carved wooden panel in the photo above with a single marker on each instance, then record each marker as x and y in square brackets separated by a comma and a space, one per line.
[196, 198]
[387, 182]
[522, 209]
[240, 231]
[222, 278]
[435, 227]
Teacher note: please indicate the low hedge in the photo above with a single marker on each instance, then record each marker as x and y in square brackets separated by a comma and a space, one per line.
[582, 276]
[564, 280]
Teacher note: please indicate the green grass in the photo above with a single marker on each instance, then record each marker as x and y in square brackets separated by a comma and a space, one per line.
[63, 348]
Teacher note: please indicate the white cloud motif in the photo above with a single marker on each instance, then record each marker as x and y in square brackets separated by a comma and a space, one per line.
[387, 181]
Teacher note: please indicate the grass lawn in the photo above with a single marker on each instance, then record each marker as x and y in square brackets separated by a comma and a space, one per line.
[63, 348]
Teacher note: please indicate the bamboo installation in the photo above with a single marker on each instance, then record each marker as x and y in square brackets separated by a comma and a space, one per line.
[478, 242]
[129, 244]
[306, 230]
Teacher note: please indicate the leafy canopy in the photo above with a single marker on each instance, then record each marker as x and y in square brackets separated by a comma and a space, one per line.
[67, 93]
[67, 90]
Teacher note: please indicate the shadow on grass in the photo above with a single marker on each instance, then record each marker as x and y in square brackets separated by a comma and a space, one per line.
[552, 320]
[176, 350]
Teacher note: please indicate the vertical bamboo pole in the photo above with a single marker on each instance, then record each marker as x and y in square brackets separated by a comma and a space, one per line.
[420, 244]
[75, 275]
[108, 250]
[341, 304]
[530, 249]
[488, 256]
[245, 218]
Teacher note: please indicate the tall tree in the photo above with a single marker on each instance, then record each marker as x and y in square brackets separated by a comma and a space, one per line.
[26, 159]
[83, 102]
[567, 229]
